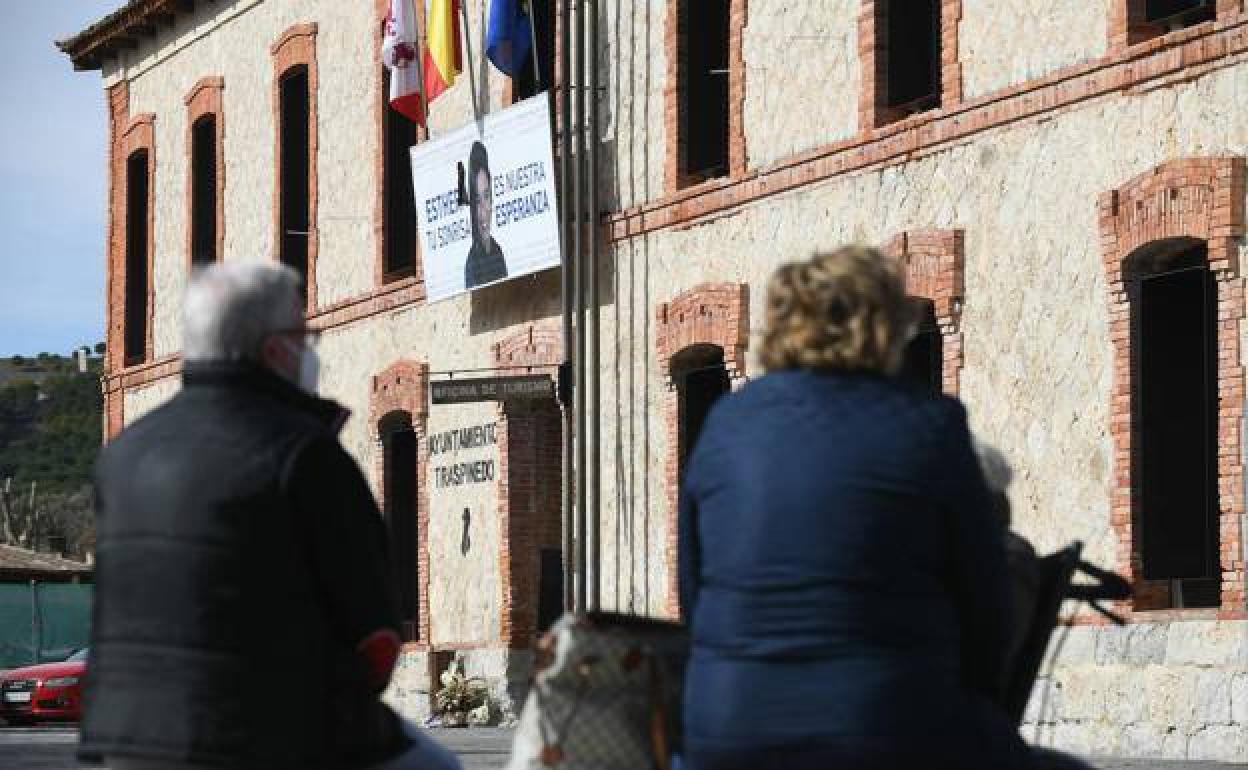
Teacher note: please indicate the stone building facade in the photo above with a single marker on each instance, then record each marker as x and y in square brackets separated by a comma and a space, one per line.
[1059, 157]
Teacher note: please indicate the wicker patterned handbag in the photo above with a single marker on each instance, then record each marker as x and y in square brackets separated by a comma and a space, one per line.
[605, 696]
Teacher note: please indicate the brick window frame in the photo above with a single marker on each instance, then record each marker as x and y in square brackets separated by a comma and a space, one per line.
[1199, 198]
[294, 48]
[403, 389]
[139, 134]
[674, 106]
[118, 99]
[1127, 26]
[380, 276]
[873, 109]
[708, 314]
[205, 98]
[530, 445]
[934, 267]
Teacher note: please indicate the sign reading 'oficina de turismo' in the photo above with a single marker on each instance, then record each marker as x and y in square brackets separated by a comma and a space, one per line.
[485, 200]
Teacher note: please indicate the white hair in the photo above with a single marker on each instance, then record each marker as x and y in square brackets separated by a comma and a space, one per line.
[996, 469]
[230, 308]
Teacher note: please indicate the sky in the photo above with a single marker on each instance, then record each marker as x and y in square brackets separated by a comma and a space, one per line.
[53, 165]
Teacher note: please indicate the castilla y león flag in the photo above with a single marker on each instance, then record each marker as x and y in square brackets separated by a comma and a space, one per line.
[401, 54]
[443, 47]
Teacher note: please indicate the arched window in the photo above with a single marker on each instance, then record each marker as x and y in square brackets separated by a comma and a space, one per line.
[295, 189]
[1174, 395]
[701, 378]
[923, 360]
[204, 191]
[401, 510]
[138, 235]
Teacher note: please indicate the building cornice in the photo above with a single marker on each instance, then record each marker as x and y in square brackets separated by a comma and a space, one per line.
[121, 30]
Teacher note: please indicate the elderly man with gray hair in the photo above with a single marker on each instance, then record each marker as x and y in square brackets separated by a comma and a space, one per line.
[245, 613]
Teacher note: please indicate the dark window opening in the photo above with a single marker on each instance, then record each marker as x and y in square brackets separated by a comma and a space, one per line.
[525, 84]
[401, 508]
[137, 235]
[913, 54]
[1169, 15]
[705, 38]
[923, 360]
[701, 378]
[295, 175]
[399, 236]
[204, 191]
[550, 589]
[1175, 396]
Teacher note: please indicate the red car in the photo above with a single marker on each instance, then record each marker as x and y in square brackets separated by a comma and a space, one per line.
[49, 691]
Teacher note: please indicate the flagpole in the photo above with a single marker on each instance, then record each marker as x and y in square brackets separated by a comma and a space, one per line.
[472, 75]
[537, 69]
[423, 25]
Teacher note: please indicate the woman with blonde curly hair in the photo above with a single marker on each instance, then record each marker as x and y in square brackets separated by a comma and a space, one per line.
[841, 567]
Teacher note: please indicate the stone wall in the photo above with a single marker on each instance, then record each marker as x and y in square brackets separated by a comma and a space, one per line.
[785, 54]
[140, 401]
[464, 599]
[1175, 690]
[996, 52]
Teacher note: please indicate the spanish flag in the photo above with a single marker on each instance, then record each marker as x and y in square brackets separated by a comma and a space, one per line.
[443, 46]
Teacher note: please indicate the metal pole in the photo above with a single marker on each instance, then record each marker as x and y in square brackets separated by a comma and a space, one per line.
[36, 640]
[591, 277]
[422, 26]
[578, 192]
[537, 68]
[470, 65]
[565, 184]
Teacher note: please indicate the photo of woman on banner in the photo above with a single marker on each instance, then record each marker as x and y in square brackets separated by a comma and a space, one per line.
[485, 262]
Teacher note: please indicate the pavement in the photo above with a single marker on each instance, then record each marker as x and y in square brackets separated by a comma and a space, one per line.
[52, 748]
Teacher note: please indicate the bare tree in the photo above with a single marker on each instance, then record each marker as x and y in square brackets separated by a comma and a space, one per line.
[20, 517]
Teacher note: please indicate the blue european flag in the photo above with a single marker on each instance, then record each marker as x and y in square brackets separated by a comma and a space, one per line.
[508, 36]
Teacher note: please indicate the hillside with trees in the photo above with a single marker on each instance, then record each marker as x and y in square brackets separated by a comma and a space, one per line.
[50, 422]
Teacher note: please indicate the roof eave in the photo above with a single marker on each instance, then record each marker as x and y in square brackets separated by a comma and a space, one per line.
[123, 29]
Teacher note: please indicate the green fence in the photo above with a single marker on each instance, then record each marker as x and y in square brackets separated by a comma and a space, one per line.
[42, 622]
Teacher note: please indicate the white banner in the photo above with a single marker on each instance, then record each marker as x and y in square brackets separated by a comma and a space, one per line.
[485, 200]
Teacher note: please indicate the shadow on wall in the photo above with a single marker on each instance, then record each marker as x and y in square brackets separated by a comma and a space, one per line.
[631, 356]
[515, 301]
